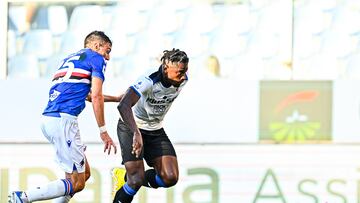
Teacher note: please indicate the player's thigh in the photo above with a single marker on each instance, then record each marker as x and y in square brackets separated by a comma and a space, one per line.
[126, 140]
[51, 128]
[76, 148]
[158, 146]
[67, 143]
[166, 165]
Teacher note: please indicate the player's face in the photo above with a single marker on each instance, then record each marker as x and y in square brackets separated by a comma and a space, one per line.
[176, 72]
[104, 49]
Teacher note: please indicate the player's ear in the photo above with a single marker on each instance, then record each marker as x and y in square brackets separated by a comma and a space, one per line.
[165, 66]
[97, 46]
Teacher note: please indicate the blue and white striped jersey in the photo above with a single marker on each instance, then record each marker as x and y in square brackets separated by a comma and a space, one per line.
[72, 82]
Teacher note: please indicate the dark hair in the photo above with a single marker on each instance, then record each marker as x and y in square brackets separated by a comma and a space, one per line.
[175, 55]
[97, 35]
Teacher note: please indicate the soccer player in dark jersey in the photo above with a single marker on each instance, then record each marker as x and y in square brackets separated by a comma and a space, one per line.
[76, 76]
[140, 130]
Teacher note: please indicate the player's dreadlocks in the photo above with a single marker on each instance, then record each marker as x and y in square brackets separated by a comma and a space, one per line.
[97, 35]
[175, 55]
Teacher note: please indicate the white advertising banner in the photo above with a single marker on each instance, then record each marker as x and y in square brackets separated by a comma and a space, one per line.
[208, 173]
[208, 111]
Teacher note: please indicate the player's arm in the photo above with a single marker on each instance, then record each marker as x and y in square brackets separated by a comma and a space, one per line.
[125, 108]
[97, 99]
[107, 98]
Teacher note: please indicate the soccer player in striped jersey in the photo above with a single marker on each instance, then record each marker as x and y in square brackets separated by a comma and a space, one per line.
[140, 130]
[76, 76]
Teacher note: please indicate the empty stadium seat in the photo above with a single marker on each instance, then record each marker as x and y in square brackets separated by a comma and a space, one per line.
[85, 19]
[121, 20]
[53, 18]
[23, 66]
[58, 19]
[38, 42]
[71, 41]
[18, 17]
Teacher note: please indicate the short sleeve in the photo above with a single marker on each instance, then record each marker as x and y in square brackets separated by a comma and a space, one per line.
[142, 85]
[98, 66]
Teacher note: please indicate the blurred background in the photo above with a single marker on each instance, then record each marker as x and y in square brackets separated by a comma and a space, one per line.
[271, 112]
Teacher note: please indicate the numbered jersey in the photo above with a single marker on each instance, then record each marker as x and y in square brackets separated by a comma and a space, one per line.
[72, 82]
[155, 100]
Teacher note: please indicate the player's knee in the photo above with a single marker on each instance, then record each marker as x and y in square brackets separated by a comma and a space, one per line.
[170, 179]
[79, 186]
[135, 181]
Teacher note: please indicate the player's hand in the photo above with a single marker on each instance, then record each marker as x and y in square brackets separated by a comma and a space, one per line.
[88, 97]
[137, 144]
[108, 142]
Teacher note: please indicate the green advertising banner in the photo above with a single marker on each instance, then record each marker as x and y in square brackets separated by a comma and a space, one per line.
[295, 111]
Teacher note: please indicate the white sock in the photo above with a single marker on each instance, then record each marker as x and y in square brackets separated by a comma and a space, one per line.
[52, 190]
[63, 199]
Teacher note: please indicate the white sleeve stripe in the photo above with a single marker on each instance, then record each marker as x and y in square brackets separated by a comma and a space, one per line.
[76, 70]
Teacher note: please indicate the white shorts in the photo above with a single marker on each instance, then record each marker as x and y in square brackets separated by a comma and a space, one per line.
[63, 132]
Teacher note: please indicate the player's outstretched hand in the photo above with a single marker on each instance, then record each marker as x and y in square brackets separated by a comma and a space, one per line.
[137, 144]
[108, 142]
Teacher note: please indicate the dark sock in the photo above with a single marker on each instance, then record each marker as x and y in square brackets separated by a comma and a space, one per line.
[152, 179]
[125, 194]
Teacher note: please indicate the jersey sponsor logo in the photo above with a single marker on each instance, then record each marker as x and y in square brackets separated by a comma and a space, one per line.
[162, 101]
[159, 108]
[54, 95]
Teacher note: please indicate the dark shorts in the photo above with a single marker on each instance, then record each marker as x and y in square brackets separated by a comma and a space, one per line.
[156, 144]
